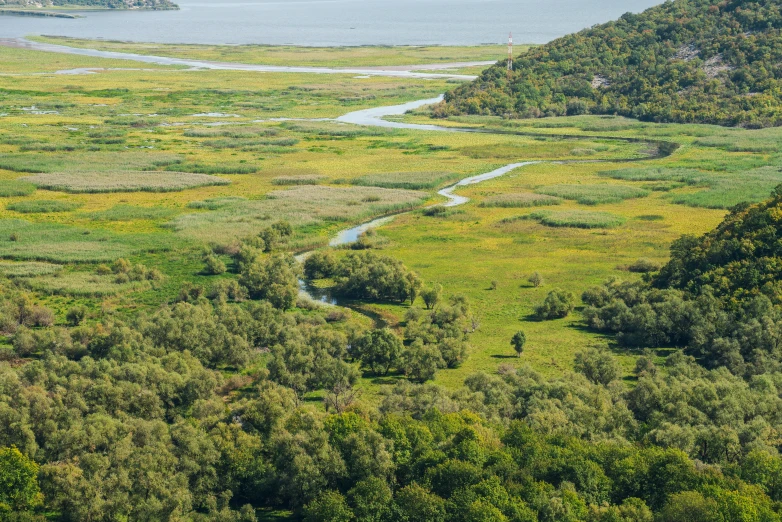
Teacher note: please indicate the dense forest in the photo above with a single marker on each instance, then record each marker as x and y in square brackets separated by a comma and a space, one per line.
[105, 4]
[241, 397]
[697, 61]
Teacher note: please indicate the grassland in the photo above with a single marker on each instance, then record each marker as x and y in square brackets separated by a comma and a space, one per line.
[323, 176]
[362, 56]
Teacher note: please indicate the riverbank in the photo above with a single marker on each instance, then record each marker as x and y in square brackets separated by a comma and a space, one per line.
[42, 14]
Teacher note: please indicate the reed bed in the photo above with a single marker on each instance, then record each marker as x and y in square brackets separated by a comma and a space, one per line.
[42, 206]
[407, 180]
[123, 181]
[520, 200]
[593, 194]
[577, 219]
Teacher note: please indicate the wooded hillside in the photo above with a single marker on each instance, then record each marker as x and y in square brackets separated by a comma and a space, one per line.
[704, 61]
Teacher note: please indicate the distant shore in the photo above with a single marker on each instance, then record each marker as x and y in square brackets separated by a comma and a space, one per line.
[31, 12]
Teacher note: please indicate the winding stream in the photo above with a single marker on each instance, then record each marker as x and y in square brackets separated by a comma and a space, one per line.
[374, 117]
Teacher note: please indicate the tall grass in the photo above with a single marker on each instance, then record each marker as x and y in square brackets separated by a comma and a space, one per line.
[520, 200]
[12, 188]
[42, 206]
[215, 203]
[27, 269]
[406, 180]
[577, 219]
[84, 284]
[593, 194]
[305, 207]
[123, 181]
[224, 168]
[124, 212]
[689, 176]
[24, 240]
[303, 179]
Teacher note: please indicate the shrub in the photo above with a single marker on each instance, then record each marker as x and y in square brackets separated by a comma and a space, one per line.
[596, 365]
[76, 315]
[214, 265]
[535, 279]
[320, 264]
[558, 304]
[644, 265]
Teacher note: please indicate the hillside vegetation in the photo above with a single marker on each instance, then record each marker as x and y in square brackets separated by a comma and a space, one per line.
[703, 61]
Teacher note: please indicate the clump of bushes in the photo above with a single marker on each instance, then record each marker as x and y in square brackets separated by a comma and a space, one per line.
[558, 304]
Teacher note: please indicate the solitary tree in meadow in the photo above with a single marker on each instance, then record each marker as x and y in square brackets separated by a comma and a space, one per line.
[518, 341]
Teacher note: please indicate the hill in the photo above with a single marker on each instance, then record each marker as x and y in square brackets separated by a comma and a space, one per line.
[696, 61]
[718, 297]
[104, 4]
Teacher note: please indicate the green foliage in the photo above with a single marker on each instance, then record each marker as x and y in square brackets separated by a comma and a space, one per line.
[366, 275]
[124, 212]
[301, 179]
[682, 61]
[420, 361]
[213, 265]
[329, 506]
[76, 315]
[520, 200]
[593, 194]
[272, 277]
[378, 350]
[19, 490]
[578, 219]
[406, 180]
[41, 206]
[558, 304]
[27, 269]
[518, 341]
[12, 188]
[596, 365]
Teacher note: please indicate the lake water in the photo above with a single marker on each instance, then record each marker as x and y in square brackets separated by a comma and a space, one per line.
[337, 22]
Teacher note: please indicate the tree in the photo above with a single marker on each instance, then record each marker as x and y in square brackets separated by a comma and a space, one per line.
[320, 264]
[558, 304]
[598, 366]
[213, 265]
[432, 295]
[535, 279]
[370, 499]
[379, 350]
[19, 489]
[76, 315]
[690, 506]
[518, 341]
[453, 350]
[329, 506]
[273, 278]
[414, 503]
[420, 361]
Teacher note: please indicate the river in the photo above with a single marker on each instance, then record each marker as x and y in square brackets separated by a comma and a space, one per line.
[336, 22]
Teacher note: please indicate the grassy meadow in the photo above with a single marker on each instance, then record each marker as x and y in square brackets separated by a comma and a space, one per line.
[153, 164]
